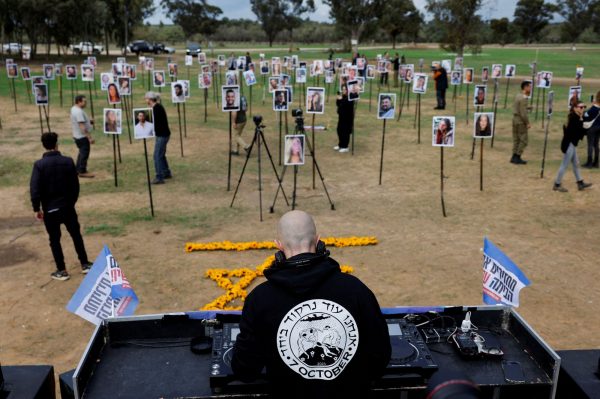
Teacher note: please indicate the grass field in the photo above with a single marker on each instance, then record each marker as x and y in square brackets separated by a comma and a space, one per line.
[422, 258]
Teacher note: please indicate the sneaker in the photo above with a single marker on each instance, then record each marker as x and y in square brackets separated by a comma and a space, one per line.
[344, 150]
[85, 268]
[559, 188]
[158, 181]
[336, 148]
[86, 174]
[582, 186]
[60, 275]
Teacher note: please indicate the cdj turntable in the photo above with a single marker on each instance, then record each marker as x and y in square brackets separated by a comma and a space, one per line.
[409, 351]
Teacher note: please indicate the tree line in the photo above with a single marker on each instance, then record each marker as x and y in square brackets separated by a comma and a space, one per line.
[456, 24]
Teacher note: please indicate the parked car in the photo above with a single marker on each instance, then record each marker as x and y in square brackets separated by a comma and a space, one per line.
[169, 50]
[86, 48]
[192, 48]
[12, 48]
[140, 46]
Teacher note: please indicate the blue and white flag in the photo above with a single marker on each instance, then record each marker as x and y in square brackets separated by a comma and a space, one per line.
[502, 279]
[104, 292]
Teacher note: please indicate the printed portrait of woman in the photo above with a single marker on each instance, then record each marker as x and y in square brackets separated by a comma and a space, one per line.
[443, 131]
[294, 150]
[113, 94]
[314, 100]
[112, 121]
[483, 124]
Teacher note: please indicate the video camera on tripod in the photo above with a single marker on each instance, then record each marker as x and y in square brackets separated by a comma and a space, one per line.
[258, 121]
[297, 113]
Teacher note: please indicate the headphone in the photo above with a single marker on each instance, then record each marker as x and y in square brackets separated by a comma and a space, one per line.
[321, 252]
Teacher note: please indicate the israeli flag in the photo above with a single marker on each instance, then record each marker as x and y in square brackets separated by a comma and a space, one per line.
[104, 292]
[502, 279]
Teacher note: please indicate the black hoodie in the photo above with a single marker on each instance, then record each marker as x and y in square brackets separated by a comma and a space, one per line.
[319, 332]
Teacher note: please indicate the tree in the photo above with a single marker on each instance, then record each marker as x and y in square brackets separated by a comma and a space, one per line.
[194, 16]
[531, 16]
[501, 29]
[399, 16]
[577, 14]
[354, 18]
[279, 15]
[458, 22]
[125, 15]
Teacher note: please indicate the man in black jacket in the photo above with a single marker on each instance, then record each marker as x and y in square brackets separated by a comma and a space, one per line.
[54, 185]
[318, 332]
[163, 134]
[441, 84]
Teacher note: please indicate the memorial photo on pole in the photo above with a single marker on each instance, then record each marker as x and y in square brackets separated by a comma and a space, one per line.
[249, 78]
[420, 83]
[106, 78]
[25, 73]
[124, 86]
[230, 98]
[112, 121]
[468, 76]
[172, 67]
[40, 91]
[231, 77]
[48, 71]
[479, 95]
[409, 73]
[485, 74]
[496, 71]
[544, 79]
[300, 75]
[114, 97]
[142, 121]
[177, 93]
[280, 100]
[315, 100]
[204, 80]
[574, 96]
[87, 73]
[483, 125]
[294, 150]
[386, 106]
[443, 131]
[455, 78]
[510, 70]
[353, 90]
[158, 79]
[71, 72]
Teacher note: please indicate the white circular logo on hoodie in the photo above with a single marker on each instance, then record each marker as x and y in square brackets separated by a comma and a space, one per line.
[317, 339]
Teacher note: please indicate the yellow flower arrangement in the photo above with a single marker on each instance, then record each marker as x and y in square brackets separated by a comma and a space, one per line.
[246, 276]
[247, 245]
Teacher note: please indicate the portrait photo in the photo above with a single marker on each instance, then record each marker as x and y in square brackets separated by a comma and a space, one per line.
[284, 80]
[360, 63]
[294, 61]
[205, 68]
[458, 63]
[92, 61]
[386, 106]
[186, 88]
[114, 97]
[202, 58]
[409, 73]
[443, 131]
[468, 76]
[290, 93]
[230, 96]
[510, 70]
[143, 126]
[241, 64]
[578, 73]
[485, 74]
[158, 79]
[221, 59]
[12, 71]
[361, 84]
[58, 69]
[328, 65]
[124, 83]
[276, 68]
[149, 64]
[40, 92]
[121, 60]
[316, 68]
[204, 80]
[189, 60]
[273, 83]
[544, 79]
[315, 100]
[420, 83]
[177, 93]
[117, 69]
[48, 71]
[87, 73]
[496, 71]
[280, 100]
[172, 67]
[112, 121]
[130, 71]
[456, 78]
[574, 96]
[483, 124]
[294, 149]
[106, 78]
[447, 65]
[249, 78]
[353, 90]
[328, 76]
[231, 78]
[264, 67]
[479, 95]
[25, 73]
[71, 72]
[300, 75]
[370, 71]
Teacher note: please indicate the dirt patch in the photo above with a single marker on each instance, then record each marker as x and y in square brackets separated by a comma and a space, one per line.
[15, 222]
[13, 254]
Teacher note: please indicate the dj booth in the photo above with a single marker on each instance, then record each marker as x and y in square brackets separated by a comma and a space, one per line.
[186, 355]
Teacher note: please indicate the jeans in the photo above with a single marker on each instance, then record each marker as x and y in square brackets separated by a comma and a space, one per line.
[593, 136]
[84, 153]
[68, 217]
[569, 157]
[160, 157]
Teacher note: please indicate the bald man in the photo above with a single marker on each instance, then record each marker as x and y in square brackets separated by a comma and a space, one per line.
[318, 332]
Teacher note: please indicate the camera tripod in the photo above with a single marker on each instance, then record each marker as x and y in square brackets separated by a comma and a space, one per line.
[260, 140]
[299, 129]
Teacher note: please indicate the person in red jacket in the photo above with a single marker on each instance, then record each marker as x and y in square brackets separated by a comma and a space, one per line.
[318, 332]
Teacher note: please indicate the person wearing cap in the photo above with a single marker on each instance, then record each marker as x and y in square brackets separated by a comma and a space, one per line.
[162, 133]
